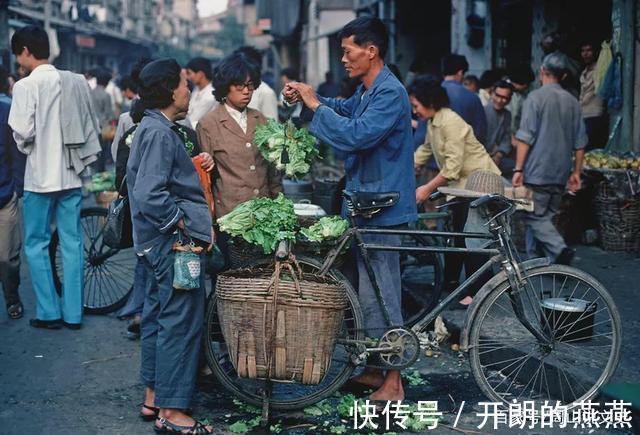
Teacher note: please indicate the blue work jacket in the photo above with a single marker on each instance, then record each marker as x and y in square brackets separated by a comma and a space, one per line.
[372, 131]
[163, 185]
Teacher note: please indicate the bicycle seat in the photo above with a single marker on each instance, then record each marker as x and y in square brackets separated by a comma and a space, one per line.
[369, 202]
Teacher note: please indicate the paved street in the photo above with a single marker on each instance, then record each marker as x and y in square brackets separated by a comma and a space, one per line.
[85, 382]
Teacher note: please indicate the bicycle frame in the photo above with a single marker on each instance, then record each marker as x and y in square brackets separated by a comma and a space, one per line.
[498, 226]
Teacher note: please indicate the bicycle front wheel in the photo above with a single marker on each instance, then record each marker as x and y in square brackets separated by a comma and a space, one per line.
[284, 396]
[581, 328]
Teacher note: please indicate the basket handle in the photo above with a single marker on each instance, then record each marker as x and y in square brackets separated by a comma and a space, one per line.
[274, 283]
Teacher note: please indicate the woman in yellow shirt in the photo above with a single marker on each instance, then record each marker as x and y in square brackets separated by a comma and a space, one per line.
[457, 152]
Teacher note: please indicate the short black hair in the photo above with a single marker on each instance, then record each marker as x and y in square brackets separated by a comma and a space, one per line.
[252, 53]
[157, 91]
[4, 80]
[521, 74]
[471, 79]
[35, 38]
[452, 63]
[503, 84]
[103, 76]
[429, 92]
[367, 30]
[126, 82]
[234, 70]
[198, 64]
[290, 72]
[490, 77]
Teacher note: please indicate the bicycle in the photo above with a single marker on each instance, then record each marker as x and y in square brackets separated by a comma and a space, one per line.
[108, 272]
[422, 273]
[534, 331]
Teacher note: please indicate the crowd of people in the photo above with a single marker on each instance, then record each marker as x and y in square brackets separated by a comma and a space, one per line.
[166, 125]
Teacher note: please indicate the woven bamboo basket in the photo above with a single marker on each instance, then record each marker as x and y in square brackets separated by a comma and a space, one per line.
[618, 221]
[278, 323]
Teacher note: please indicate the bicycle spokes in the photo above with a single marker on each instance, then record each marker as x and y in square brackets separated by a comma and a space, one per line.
[579, 345]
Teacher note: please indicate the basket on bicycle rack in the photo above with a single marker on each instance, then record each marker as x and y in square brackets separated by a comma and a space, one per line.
[280, 323]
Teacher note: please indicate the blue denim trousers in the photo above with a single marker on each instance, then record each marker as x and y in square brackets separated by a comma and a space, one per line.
[39, 210]
[171, 330]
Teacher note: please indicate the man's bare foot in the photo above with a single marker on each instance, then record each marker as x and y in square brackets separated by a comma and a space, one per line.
[370, 377]
[179, 418]
[391, 389]
[148, 409]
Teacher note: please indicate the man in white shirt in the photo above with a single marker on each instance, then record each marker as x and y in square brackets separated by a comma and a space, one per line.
[51, 186]
[264, 98]
[202, 99]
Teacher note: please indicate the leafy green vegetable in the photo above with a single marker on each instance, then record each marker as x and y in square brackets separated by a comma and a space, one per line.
[273, 138]
[413, 378]
[320, 408]
[102, 182]
[247, 409]
[262, 221]
[275, 428]
[242, 426]
[345, 405]
[338, 429]
[327, 228]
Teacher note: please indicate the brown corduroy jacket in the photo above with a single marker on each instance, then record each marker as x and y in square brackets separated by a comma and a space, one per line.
[240, 172]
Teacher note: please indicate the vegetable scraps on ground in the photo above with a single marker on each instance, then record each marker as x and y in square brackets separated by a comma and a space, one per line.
[262, 221]
[327, 228]
[273, 138]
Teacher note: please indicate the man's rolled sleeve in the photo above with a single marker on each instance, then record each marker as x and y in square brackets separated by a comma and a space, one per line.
[152, 182]
[581, 135]
[529, 124]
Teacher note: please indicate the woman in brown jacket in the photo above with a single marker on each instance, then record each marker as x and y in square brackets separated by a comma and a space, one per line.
[240, 172]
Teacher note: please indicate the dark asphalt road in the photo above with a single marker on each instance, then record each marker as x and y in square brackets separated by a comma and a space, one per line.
[86, 381]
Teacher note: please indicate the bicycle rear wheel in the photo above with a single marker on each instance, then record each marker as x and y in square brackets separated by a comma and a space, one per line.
[284, 396]
[581, 325]
[108, 273]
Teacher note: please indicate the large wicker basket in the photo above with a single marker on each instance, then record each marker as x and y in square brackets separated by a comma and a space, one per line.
[618, 221]
[278, 323]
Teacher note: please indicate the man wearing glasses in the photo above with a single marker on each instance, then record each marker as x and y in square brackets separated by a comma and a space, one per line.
[499, 126]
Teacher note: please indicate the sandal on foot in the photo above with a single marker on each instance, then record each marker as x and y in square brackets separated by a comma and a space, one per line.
[149, 417]
[166, 426]
[15, 311]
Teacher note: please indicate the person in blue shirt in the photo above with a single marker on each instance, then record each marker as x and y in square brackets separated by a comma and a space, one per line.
[12, 163]
[461, 100]
[372, 130]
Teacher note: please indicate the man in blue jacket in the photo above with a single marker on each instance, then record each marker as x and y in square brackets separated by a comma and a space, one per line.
[372, 130]
[461, 100]
[12, 164]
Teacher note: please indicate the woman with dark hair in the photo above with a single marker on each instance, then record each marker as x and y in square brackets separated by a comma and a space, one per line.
[227, 133]
[457, 152]
[168, 207]
[120, 148]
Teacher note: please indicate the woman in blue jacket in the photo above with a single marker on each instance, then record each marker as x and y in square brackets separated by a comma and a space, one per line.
[167, 199]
